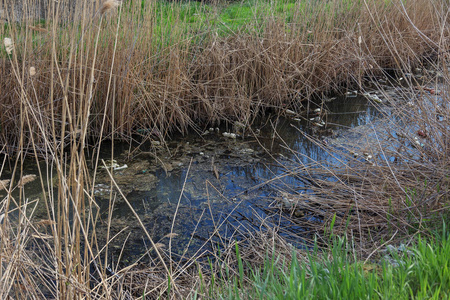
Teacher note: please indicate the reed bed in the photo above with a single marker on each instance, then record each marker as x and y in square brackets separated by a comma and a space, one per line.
[107, 71]
[155, 70]
[393, 182]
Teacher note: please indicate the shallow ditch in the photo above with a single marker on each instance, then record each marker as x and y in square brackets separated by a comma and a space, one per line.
[230, 183]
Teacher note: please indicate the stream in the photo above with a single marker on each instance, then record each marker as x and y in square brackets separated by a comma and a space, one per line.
[204, 188]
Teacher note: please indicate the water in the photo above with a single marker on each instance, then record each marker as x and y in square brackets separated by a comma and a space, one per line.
[208, 188]
[229, 185]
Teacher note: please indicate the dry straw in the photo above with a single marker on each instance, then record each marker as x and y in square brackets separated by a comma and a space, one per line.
[171, 78]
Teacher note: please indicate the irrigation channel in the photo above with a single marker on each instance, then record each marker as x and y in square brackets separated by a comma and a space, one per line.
[213, 186]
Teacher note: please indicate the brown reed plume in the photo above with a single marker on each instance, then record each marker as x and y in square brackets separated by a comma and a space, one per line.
[109, 5]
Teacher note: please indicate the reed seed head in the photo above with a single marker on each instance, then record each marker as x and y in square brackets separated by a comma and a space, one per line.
[108, 5]
[9, 46]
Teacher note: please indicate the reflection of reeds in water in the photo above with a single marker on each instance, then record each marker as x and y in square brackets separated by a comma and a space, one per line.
[389, 182]
[107, 75]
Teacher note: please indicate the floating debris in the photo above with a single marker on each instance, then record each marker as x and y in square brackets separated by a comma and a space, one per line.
[229, 135]
[120, 167]
[317, 112]
[431, 91]
[101, 189]
[114, 165]
[317, 121]
[373, 97]
[417, 143]
[351, 94]
[367, 155]
[355, 155]
[291, 112]
[422, 133]
[401, 135]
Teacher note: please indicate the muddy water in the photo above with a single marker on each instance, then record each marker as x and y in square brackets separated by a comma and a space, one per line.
[229, 184]
[203, 186]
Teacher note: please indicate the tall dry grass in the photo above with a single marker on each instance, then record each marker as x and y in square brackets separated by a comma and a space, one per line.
[171, 75]
[393, 182]
[105, 72]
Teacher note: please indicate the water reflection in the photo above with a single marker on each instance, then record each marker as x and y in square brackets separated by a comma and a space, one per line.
[240, 190]
[229, 182]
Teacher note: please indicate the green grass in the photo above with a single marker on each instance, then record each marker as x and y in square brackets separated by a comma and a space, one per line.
[420, 272]
[225, 18]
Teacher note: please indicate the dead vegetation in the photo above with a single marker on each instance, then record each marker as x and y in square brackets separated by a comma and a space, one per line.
[141, 75]
[108, 75]
[392, 183]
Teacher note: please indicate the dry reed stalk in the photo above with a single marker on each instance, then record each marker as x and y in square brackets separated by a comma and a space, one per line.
[167, 82]
[399, 189]
[182, 85]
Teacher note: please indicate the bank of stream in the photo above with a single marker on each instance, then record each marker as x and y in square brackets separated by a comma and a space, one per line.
[204, 188]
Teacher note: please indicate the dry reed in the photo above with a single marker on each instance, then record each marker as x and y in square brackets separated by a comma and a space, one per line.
[98, 75]
[169, 80]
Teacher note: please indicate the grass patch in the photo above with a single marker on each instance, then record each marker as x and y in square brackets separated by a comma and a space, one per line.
[417, 272]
